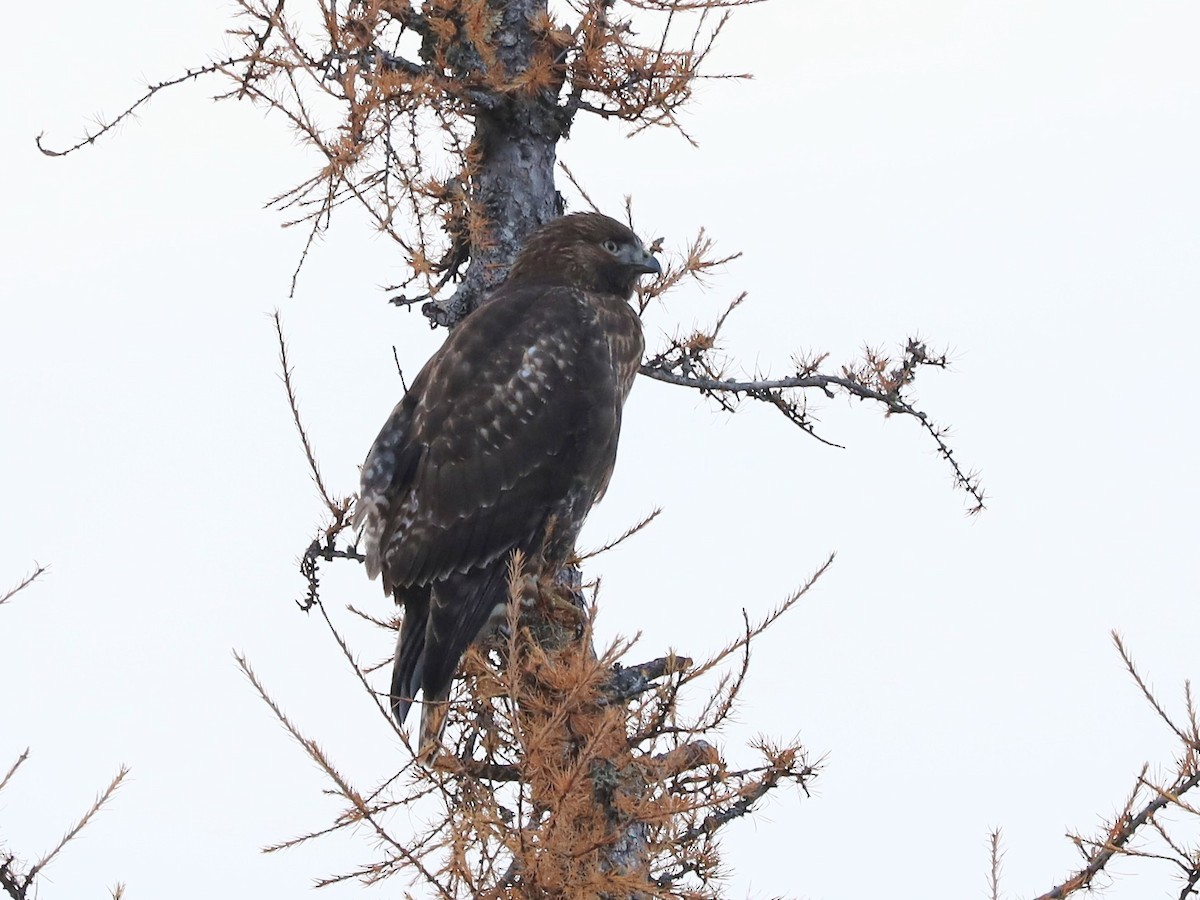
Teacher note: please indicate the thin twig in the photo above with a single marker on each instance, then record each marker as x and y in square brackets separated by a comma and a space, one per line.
[105, 127]
[996, 857]
[336, 510]
[765, 389]
[361, 810]
[73, 832]
[1118, 836]
[258, 49]
[12, 770]
[25, 582]
[625, 535]
[1146, 692]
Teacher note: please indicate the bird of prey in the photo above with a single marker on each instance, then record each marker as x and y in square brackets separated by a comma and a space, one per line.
[503, 442]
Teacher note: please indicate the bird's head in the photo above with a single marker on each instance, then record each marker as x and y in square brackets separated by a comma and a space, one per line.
[588, 250]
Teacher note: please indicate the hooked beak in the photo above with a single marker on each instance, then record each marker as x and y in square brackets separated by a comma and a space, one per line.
[641, 261]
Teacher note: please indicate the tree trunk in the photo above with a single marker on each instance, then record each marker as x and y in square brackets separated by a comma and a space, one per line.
[516, 133]
[512, 187]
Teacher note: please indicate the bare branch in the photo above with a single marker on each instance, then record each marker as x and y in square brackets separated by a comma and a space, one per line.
[687, 363]
[105, 127]
[1117, 837]
[25, 582]
[14, 883]
[1146, 692]
[337, 508]
[996, 857]
[359, 807]
[73, 832]
[787, 766]
[628, 682]
[12, 770]
[753, 631]
[617, 541]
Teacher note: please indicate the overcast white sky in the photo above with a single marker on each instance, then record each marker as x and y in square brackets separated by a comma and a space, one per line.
[1018, 181]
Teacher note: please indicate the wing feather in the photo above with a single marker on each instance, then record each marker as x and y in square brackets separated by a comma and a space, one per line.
[489, 437]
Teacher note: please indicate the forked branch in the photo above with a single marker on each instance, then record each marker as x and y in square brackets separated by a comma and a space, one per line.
[1135, 829]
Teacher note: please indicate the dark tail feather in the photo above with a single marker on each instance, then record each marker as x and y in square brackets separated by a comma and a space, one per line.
[458, 608]
[410, 650]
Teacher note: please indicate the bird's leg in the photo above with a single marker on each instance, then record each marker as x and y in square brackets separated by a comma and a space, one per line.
[530, 592]
[539, 593]
[554, 598]
[433, 723]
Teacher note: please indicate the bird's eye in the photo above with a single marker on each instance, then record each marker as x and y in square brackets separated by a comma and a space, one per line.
[611, 247]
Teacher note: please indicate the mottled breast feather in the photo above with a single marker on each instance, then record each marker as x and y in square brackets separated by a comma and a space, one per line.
[509, 417]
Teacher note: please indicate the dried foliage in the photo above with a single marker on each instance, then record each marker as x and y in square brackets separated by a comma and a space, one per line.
[408, 109]
[1159, 821]
[18, 879]
[568, 774]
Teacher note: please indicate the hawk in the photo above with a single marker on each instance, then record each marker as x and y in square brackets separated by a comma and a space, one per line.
[502, 444]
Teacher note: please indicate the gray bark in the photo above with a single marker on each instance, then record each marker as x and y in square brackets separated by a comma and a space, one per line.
[515, 137]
